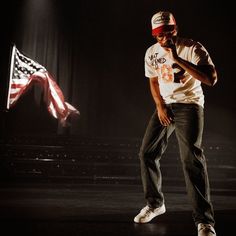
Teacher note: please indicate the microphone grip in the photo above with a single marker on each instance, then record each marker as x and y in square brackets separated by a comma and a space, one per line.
[169, 43]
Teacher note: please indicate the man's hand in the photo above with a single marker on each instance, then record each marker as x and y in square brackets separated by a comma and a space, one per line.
[164, 116]
[170, 47]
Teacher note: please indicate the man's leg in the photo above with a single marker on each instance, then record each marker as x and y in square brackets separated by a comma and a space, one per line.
[189, 119]
[153, 146]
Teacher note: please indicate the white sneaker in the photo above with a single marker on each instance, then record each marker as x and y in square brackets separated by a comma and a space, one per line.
[147, 214]
[205, 230]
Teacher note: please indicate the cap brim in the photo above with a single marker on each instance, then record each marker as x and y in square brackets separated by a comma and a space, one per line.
[162, 28]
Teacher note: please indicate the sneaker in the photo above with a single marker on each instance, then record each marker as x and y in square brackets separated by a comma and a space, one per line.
[206, 230]
[147, 214]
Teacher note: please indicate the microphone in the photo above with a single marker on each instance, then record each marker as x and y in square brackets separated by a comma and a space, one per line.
[169, 43]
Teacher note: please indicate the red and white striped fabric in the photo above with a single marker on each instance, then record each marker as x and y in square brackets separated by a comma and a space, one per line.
[24, 72]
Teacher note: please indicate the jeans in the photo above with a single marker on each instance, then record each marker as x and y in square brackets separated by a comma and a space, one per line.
[188, 121]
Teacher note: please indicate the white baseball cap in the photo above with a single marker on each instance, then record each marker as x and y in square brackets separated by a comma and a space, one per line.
[161, 21]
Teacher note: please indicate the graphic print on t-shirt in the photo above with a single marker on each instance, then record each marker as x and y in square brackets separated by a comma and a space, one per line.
[178, 73]
[169, 73]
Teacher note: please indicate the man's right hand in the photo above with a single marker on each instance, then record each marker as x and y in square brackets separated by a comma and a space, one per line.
[164, 116]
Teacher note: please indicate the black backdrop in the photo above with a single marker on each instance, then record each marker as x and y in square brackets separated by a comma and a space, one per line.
[95, 49]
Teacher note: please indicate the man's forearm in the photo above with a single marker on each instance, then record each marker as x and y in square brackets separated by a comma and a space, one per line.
[205, 74]
[154, 87]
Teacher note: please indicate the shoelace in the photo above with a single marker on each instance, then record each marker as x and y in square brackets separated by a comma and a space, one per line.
[147, 210]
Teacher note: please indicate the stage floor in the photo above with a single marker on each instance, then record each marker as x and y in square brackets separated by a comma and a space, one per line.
[102, 209]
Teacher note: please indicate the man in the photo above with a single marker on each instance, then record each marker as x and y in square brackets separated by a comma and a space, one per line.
[176, 67]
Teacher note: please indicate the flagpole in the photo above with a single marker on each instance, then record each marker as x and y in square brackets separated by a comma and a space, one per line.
[11, 71]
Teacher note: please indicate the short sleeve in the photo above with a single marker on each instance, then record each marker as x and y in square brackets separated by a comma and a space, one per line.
[200, 55]
[149, 66]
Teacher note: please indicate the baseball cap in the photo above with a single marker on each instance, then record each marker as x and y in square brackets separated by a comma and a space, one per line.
[162, 21]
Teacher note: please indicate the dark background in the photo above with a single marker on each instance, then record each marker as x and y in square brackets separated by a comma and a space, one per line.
[95, 51]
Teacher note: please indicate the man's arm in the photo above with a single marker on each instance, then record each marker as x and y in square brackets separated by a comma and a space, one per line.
[205, 73]
[162, 113]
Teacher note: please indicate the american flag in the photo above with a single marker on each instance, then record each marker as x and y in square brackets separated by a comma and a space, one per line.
[24, 72]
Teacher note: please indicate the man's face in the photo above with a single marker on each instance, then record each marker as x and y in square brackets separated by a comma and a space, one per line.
[165, 38]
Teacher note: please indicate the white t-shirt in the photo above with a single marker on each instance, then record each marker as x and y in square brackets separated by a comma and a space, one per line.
[176, 85]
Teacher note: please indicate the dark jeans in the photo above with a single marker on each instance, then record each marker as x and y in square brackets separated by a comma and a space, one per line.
[188, 120]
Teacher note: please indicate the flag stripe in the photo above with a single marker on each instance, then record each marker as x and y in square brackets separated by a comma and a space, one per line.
[23, 72]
